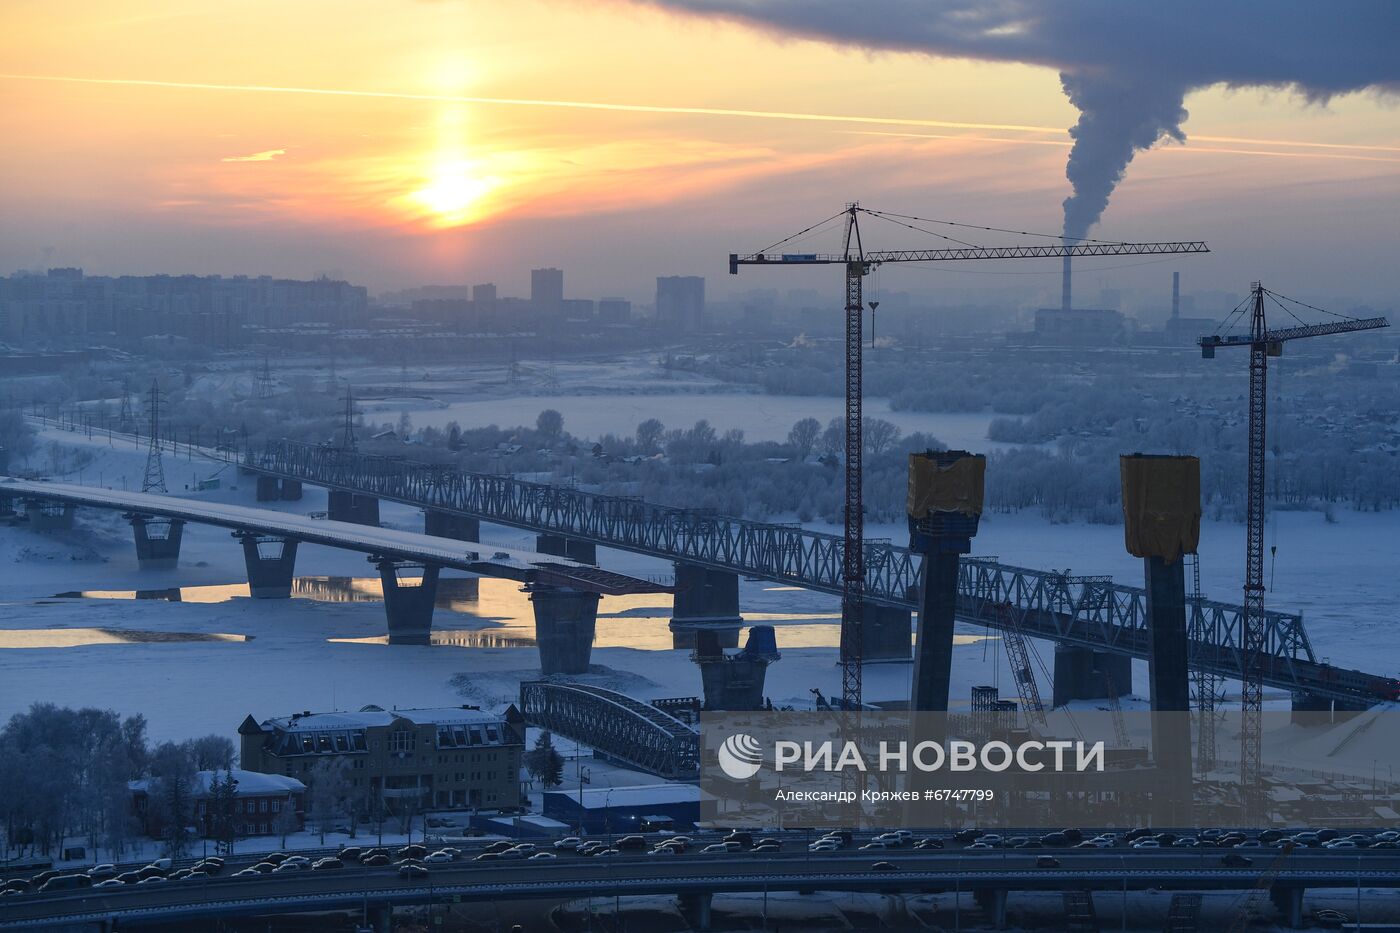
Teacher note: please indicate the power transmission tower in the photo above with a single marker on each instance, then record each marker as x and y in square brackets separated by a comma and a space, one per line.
[264, 383]
[127, 416]
[347, 437]
[154, 480]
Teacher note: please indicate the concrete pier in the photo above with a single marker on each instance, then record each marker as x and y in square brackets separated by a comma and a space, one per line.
[565, 619]
[45, 515]
[585, 552]
[735, 681]
[1085, 674]
[342, 506]
[451, 525]
[291, 490]
[271, 562]
[887, 633]
[269, 488]
[705, 599]
[944, 510]
[157, 541]
[408, 600]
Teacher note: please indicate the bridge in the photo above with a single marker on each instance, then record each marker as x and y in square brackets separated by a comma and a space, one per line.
[695, 878]
[1091, 616]
[560, 587]
[616, 726]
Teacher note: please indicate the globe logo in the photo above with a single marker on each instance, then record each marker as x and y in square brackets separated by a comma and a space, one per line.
[740, 756]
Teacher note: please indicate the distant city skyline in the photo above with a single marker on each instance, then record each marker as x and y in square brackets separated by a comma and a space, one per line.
[416, 144]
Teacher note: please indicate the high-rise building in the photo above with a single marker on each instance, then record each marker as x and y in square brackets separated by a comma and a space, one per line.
[680, 302]
[614, 310]
[484, 295]
[547, 290]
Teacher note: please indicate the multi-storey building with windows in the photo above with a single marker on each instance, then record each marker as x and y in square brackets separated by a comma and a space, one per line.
[453, 758]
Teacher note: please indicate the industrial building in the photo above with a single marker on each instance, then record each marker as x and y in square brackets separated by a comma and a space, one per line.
[618, 810]
[449, 758]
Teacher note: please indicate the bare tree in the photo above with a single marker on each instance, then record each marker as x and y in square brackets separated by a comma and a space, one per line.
[328, 789]
[803, 436]
[649, 434]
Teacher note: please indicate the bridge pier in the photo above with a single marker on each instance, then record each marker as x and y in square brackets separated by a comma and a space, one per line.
[886, 634]
[585, 552]
[1086, 674]
[441, 524]
[944, 509]
[381, 918]
[269, 488]
[291, 490]
[157, 541]
[407, 604]
[45, 515]
[1288, 901]
[735, 681]
[342, 506]
[992, 902]
[705, 599]
[699, 906]
[271, 562]
[565, 619]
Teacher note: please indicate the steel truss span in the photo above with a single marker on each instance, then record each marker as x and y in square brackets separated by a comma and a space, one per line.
[1092, 612]
[614, 724]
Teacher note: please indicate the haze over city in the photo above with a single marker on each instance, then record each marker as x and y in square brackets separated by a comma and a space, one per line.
[405, 143]
[690, 465]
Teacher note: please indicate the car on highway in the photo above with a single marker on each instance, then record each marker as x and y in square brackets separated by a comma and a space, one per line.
[877, 844]
[568, 844]
[150, 871]
[767, 848]
[512, 854]
[154, 879]
[664, 850]
[129, 877]
[329, 863]
[66, 883]
[110, 883]
[102, 872]
[352, 853]
[276, 858]
[488, 857]
[929, 843]
[164, 863]
[631, 843]
[438, 858]
[884, 866]
[180, 874]
[500, 845]
[287, 867]
[247, 873]
[412, 872]
[195, 876]
[376, 860]
[541, 855]
[1046, 861]
[824, 845]
[1235, 860]
[413, 850]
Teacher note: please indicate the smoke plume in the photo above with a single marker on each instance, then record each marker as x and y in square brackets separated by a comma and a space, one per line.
[1126, 66]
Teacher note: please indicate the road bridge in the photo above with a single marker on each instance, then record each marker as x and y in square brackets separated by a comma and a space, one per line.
[560, 588]
[696, 877]
[1088, 614]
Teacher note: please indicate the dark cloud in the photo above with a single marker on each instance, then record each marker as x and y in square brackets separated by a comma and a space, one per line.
[1127, 65]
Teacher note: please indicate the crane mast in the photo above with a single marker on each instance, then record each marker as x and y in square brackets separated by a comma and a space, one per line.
[1263, 343]
[858, 264]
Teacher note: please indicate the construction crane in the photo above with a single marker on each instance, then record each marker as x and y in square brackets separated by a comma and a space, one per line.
[858, 264]
[1263, 343]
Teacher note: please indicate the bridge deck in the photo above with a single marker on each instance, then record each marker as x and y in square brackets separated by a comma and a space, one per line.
[1088, 611]
[513, 564]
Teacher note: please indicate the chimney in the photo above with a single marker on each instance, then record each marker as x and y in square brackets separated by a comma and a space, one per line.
[1176, 295]
[1065, 286]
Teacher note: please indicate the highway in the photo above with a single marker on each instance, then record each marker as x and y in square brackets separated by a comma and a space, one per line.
[699, 873]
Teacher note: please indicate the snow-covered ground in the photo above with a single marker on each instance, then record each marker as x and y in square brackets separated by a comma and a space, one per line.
[310, 654]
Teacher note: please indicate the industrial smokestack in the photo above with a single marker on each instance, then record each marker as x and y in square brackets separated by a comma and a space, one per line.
[1065, 287]
[1176, 295]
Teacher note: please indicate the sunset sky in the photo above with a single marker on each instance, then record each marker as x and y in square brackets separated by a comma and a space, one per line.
[405, 142]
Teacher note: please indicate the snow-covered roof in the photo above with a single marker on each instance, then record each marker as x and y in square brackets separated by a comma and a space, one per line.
[372, 717]
[250, 783]
[640, 795]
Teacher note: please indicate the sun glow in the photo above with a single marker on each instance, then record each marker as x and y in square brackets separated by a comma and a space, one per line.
[454, 193]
